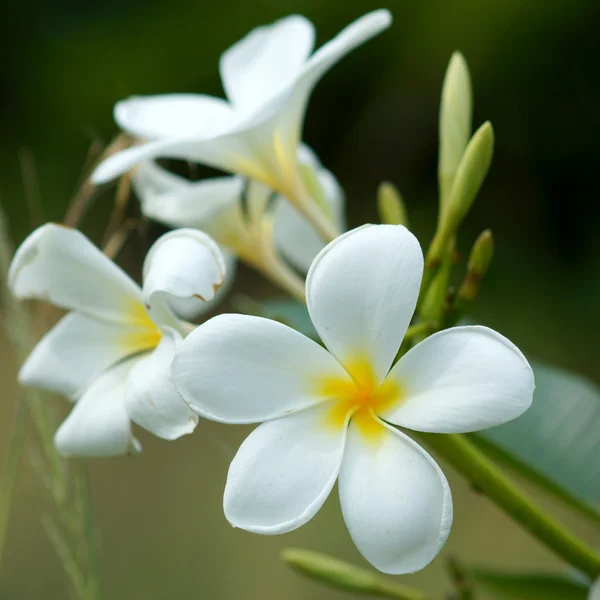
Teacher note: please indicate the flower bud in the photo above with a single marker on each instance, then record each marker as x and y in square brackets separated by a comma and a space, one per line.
[481, 254]
[391, 207]
[342, 575]
[455, 123]
[469, 177]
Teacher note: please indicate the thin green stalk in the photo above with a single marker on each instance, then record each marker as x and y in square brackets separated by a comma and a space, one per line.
[485, 476]
[515, 464]
[11, 469]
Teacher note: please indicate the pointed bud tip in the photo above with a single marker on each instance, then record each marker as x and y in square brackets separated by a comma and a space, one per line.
[390, 204]
[482, 253]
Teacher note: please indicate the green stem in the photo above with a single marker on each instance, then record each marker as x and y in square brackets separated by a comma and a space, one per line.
[521, 468]
[484, 475]
[11, 469]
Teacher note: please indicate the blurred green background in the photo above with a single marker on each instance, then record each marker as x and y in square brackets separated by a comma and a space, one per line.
[536, 72]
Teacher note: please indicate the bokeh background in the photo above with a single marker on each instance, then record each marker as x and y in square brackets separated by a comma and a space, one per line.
[536, 72]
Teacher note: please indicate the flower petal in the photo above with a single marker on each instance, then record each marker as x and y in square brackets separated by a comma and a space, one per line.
[78, 349]
[352, 36]
[244, 369]
[266, 60]
[361, 292]
[595, 591]
[459, 380]
[184, 264]
[260, 143]
[173, 115]
[178, 202]
[151, 399]
[395, 500]
[284, 472]
[98, 424]
[294, 236]
[60, 265]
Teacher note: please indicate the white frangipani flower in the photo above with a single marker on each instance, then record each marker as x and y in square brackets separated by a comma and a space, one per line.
[215, 206]
[268, 77]
[330, 412]
[112, 354]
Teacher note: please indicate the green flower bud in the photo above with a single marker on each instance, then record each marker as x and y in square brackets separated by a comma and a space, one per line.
[455, 123]
[390, 205]
[469, 177]
[342, 575]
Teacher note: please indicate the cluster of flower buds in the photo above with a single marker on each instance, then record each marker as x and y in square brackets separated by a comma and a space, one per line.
[330, 412]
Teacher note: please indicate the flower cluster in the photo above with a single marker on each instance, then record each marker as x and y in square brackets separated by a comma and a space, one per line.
[331, 412]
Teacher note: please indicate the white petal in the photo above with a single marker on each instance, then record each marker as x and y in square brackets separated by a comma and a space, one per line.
[361, 292]
[190, 311]
[283, 472]
[595, 591]
[294, 236]
[178, 202]
[261, 143]
[395, 500]
[352, 36]
[98, 424]
[172, 115]
[223, 151]
[266, 60]
[294, 100]
[184, 264]
[151, 399]
[60, 265]
[78, 349]
[244, 369]
[459, 380]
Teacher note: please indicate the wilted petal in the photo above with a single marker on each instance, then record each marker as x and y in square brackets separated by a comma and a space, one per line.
[361, 292]
[78, 349]
[395, 500]
[244, 369]
[98, 424]
[173, 115]
[60, 265]
[283, 472]
[459, 380]
[184, 264]
[151, 399]
[266, 60]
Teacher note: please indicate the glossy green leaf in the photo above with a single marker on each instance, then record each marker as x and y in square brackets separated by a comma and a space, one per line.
[505, 586]
[560, 434]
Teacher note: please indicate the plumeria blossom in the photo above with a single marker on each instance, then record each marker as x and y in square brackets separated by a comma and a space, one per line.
[329, 413]
[112, 353]
[215, 206]
[268, 77]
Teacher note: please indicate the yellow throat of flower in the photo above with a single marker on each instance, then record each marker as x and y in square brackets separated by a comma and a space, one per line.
[360, 398]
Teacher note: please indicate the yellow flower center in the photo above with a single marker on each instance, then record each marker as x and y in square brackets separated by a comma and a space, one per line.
[144, 334]
[359, 397]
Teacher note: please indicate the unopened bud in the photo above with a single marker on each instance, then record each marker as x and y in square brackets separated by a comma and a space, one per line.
[481, 254]
[455, 122]
[342, 575]
[471, 173]
[390, 204]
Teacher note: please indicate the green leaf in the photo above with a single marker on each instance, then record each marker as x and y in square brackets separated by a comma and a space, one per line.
[291, 313]
[559, 434]
[525, 470]
[506, 586]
